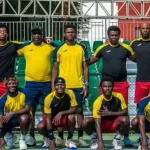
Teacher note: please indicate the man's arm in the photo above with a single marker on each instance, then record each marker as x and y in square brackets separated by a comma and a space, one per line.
[98, 130]
[72, 110]
[133, 57]
[92, 60]
[25, 110]
[142, 127]
[54, 73]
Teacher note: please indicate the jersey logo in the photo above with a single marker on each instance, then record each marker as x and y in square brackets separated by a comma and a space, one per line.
[64, 50]
[55, 105]
[108, 51]
[139, 44]
[31, 50]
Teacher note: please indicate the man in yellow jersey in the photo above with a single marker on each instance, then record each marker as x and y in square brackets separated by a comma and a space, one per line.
[110, 114]
[14, 112]
[71, 58]
[37, 73]
[58, 113]
[114, 55]
[141, 123]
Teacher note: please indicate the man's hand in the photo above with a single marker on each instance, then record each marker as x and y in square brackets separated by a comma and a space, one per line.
[105, 112]
[52, 145]
[100, 146]
[144, 145]
[84, 92]
[57, 118]
[6, 118]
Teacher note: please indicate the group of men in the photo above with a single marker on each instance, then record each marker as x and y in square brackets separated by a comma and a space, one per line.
[62, 97]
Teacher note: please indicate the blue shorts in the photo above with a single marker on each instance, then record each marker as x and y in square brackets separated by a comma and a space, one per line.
[37, 91]
[79, 96]
[12, 123]
[147, 126]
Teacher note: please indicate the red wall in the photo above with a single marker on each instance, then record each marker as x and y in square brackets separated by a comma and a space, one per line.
[128, 26]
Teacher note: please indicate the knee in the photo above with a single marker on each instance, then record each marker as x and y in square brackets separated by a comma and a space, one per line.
[86, 122]
[24, 119]
[41, 126]
[134, 122]
[125, 120]
[71, 119]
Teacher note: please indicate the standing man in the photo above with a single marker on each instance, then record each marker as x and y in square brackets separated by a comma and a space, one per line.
[59, 109]
[14, 112]
[110, 114]
[71, 59]
[37, 73]
[114, 56]
[8, 53]
[142, 51]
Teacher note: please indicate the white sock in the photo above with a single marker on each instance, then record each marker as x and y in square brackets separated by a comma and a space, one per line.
[93, 136]
[118, 136]
[22, 137]
[139, 135]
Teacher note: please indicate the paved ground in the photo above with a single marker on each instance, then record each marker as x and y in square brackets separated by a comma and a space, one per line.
[107, 141]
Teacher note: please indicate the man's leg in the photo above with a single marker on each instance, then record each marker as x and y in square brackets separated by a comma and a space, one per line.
[121, 125]
[89, 129]
[70, 120]
[2, 141]
[135, 126]
[24, 126]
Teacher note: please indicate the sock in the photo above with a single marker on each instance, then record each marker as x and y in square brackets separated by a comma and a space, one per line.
[93, 136]
[22, 137]
[61, 135]
[69, 135]
[126, 135]
[139, 135]
[80, 133]
[32, 133]
[47, 136]
[118, 136]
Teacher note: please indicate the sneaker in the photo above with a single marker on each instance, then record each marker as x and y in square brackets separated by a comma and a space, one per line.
[127, 142]
[10, 139]
[94, 144]
[45, 143]
[70, 144]
[82, 143]
[31, 142]
[23, 145]
[137, 143]
[117, 143]
[60, 142]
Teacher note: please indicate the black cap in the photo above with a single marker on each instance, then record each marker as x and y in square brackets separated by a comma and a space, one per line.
[36, 28]
[59, 80]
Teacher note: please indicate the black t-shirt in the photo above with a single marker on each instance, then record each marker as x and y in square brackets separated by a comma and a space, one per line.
[142, 51]
[114, 60]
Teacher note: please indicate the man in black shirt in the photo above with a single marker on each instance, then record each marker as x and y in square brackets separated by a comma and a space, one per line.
[8, 52]
[114, 55]
[59, 114]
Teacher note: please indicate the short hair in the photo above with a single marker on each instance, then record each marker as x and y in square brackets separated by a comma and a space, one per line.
[113, 28]
[59, 80]
[70, 26]
[10, 77]
[107, 78]
[4, 26]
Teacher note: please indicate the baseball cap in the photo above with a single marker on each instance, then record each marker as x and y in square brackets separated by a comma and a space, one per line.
[36, 28]
[59, 80]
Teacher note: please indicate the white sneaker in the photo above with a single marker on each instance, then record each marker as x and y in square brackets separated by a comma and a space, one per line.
[23, 145]
[70, 144]
[82, 143]
[60, 142]
[94, 144]
[31, 142]
[45, 142]
[117, 144]
[10, 139]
